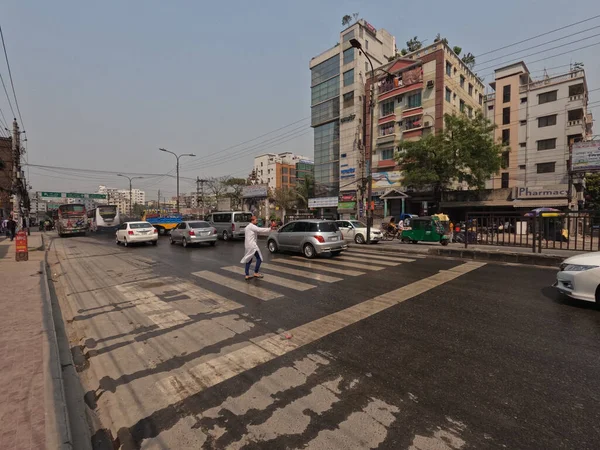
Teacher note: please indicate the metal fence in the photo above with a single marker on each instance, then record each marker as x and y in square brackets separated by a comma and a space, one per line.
[573, 230]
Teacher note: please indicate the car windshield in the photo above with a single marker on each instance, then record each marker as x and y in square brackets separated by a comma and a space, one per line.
[243, 217]
[134, 226]
[199, 225]
[357, 224]
[328, 227]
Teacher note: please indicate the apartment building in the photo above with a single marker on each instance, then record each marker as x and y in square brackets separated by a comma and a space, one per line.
[304, 168]
[338, 77]
[6, 176]
[538, 121]
[412, 94]
[120, 198]
[277, 169]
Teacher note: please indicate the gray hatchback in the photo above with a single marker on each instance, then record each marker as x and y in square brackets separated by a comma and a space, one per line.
[194, 232]
[310, 237]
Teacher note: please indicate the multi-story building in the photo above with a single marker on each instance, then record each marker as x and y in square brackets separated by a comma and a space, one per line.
[277, 169]
[538, 121]
[338, 78]
[121, 198]
[304, 168]
[6, 176]
[412, 94]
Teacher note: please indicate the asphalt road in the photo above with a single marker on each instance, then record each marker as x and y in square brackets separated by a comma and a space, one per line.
[391, 352]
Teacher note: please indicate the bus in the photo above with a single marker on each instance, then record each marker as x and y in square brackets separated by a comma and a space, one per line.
[104, 218]
[72, 219]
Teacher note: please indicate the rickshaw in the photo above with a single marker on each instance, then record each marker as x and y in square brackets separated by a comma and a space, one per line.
[427, 229]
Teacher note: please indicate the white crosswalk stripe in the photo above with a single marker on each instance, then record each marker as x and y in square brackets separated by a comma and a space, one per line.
[243, 286]
[301, 273]
[382, 260]
[380, 254]
[363, 266]
[310, 265]
[292, 284]
[356, 259]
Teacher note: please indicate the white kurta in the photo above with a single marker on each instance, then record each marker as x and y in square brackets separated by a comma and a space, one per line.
[251, 241]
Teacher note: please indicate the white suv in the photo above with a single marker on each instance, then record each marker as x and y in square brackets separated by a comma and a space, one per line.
[136, 232]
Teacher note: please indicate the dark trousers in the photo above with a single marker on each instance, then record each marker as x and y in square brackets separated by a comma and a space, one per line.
[257, 267]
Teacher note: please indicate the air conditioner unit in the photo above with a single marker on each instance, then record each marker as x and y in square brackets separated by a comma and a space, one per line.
[430, 84]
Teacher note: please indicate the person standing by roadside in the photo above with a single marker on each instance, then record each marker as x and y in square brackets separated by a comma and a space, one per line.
[12, 228]
[251, 245]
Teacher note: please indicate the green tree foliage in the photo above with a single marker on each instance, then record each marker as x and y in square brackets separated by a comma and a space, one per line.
[414, 44]
[305, 190]
[439, 38]
[469, 60]
[235, 187]
[592, 191]
[285, 198]
[464, 151]
[456, 49]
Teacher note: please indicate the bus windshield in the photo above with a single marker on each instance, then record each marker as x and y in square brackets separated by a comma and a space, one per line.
[107, 212]
[71, 210]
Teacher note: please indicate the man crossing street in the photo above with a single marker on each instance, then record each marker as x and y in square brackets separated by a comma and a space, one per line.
[251, 245]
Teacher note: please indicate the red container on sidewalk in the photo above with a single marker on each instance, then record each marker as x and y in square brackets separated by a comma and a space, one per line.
[21, 253]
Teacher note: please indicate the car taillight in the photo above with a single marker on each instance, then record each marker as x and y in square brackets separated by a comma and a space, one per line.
[192, 233]
[155, 231]
[321, 239]
[130, 233]
[214, 231]
[233, 227]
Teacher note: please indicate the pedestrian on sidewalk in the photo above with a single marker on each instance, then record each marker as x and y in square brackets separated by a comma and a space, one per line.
[12, 228]
[251, 245]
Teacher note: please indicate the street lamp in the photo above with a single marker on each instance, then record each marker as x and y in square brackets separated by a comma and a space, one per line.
[130, 198]
[368, 161]
[177, 157]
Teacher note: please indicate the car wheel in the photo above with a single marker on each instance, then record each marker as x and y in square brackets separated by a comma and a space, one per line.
[272, 246]
[213, 243]
[125, 242]
[171, 241]
[154, 242]
[225, 236]
[117, 241]
[359, 239]
[336, 253]
[445, 242]
[309, 251]
[184, 242]
[598, 294]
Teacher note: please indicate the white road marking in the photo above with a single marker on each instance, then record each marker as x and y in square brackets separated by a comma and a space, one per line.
[310, 265]
[221, 368]
[301, 273]
[208, 301]
[375, 251]
[377, 257]
[366, 260]
[246, 287]
[292, 284]
[364, 266]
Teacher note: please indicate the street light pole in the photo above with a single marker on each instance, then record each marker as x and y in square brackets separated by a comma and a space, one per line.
[177, 158]
[130, 191]
[369, 160]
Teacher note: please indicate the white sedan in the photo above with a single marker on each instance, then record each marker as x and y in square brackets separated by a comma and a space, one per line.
[136, 232]
[357, 231]
[579, 277]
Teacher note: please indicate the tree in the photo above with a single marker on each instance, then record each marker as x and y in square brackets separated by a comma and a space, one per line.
[439, 38]
[285, 198]
[414, 44]
[138, 210]
[469, 60]
[347, 19]
[305, 190]
[218, 186]
[235, 187]
[464, 151]
[456, 49]
[592, 191]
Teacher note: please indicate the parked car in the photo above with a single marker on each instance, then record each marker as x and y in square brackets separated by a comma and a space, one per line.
[579, 277]
[193, 232]
[311, 237]
[357, 231]
[230, 224]
[136, 232]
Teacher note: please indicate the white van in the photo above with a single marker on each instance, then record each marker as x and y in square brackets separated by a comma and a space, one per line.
[230, 224]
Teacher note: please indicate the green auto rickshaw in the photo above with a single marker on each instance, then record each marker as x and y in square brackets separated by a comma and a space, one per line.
[427, 229]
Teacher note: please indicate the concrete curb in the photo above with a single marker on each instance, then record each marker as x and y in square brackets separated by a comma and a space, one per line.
[58, 431]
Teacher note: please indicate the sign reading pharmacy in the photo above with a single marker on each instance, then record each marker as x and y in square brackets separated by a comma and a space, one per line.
[533, 192]
[585, 156]
[70, 195]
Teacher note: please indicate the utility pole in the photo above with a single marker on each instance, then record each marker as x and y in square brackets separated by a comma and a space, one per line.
[16, 148]
[158, 201]
[200, 186]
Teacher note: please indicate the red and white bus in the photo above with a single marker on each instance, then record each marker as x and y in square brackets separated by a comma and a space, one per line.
[72, 219]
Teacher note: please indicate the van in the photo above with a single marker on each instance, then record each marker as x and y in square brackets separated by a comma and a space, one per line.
[231, 224]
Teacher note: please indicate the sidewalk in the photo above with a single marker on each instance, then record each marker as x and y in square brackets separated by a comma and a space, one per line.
[30, 382]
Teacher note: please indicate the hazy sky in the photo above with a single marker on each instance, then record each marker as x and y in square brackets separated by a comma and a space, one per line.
[103, 84]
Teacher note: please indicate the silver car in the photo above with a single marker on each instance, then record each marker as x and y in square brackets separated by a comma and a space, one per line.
[193, 232]
[310, 237]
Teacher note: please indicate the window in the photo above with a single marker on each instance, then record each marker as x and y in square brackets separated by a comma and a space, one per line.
[506, 94]
[284, 179]
[505, 116]
[366, 66]
[470, 112]
[448, 69]
[386, 129]
[547, 97]
[547, 121]
[448, 94]
[326, 90]
[325, 111]
[546, 167]
[546, 144]
[325, 70]
[360, 31]
[522, 167]
[461, 105]
[386, 154]
[522, 144]
[505, 160]
[576, 89]
[412, 122]
[349, 35]
[504, 180]
[470, 89]
[348, 55]
[523, 99]
[366, 45]
[387, 108]
[490, 108]
[523, 122]
[480, 99]
[349, 77]
[348, 99]
[505, 137]
[414, 101]
[284, 170]
[462, 81]
[288, 228]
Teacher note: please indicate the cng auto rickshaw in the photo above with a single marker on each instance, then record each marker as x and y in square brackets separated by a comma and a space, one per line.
[427, 229]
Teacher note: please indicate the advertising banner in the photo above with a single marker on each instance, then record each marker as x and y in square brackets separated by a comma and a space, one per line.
[384, 180]
[347, 205]
[585, 156]
[255, 190]
[323, 202]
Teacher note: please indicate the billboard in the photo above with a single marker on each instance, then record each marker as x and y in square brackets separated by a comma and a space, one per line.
[323, 202]
[255, 190]
[585, 156]
[384, 180]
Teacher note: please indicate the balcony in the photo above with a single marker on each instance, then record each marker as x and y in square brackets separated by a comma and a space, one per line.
[399, 91]
[388, 118]
[552, 80]
[386, 163]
